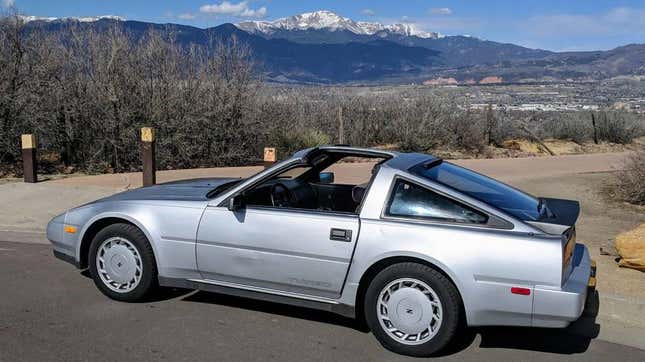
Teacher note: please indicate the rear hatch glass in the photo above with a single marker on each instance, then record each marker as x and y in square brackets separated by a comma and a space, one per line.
[504, 197]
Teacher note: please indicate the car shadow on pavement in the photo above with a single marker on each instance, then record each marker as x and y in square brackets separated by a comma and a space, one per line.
[571, 340]
[275, 308]
[164, 293]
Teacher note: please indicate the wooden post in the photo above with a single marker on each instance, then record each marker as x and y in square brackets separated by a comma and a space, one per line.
[148, 156]
[595, 132]
[29, 164]
[270, 157]
[341, 126]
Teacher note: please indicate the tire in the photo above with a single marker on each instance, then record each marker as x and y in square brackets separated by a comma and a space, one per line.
[126, 270]
[420, 311]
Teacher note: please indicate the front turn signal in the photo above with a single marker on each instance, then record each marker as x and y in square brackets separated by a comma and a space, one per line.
[70, 229]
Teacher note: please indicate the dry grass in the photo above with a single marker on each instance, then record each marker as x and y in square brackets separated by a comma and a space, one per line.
[631, 248]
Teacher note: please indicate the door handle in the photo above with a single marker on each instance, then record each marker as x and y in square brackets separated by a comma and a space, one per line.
[340, 235]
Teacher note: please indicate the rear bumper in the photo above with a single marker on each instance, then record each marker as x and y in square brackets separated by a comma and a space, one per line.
[556, 308]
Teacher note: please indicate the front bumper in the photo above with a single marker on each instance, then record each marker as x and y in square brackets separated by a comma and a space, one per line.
[557, 307]
[64, 245]
[67, 258]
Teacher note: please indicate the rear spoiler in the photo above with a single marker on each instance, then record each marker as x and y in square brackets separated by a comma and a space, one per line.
[560, 215]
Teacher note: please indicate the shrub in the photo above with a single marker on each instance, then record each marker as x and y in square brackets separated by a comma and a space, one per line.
[630, 182]
[575, 126]
[618, 127]
[290, 142]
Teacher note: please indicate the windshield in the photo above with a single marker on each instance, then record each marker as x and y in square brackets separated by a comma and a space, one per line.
[482, 188]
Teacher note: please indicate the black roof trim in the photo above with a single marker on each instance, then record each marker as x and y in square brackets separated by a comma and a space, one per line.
[432, 163]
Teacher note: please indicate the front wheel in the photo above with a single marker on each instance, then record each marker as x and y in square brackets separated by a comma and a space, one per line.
[412, 309]
[122, 263]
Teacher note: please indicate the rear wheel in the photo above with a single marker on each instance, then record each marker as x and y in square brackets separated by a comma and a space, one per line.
[412, 309]
[122, 263]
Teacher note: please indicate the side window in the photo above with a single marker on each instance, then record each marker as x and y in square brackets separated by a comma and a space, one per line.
[413, 201]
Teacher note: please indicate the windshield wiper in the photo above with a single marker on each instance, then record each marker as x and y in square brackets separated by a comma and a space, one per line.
[221, 188]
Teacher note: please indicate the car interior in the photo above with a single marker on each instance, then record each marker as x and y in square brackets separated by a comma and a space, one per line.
[312, 186]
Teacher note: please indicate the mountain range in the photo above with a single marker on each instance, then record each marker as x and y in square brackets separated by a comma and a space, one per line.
[323, 47]
[329, 21]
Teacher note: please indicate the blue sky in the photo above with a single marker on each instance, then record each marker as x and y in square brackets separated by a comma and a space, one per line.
[547, 24]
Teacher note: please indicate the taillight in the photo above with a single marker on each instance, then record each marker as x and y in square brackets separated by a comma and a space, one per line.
[567, 252]
[520, 291]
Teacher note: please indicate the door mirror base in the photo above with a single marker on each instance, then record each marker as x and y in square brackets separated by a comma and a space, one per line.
[326, 177]
[236, 203]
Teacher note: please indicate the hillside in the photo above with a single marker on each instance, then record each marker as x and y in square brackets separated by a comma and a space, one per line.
[326, 48]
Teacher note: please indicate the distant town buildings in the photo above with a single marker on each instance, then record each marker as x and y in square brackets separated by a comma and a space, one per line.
[545, 107]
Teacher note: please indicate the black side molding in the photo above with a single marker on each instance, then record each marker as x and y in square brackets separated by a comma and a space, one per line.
[340, 309]
[67, 258]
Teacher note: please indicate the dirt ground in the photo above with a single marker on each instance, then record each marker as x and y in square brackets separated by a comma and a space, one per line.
[524, 148]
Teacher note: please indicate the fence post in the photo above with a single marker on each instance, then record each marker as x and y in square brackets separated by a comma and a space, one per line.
[29, 163]
[148, 156]
[270, 157]
[341, 126]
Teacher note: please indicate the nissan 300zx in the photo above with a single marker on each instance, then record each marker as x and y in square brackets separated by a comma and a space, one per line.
[418, 248]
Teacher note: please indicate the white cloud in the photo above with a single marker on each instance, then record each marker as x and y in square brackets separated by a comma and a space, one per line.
[441, 11]
[8, 3]
[186, 16]
[254, 13]
[368, 12]
[240, 9]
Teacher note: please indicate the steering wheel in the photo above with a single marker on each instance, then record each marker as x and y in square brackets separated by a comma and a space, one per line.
[281, 196]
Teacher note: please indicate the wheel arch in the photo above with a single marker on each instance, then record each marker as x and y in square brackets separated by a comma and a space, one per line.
[381, 264]
[99, 223]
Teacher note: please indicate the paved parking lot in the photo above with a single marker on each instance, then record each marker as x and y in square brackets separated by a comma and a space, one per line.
[51, 311]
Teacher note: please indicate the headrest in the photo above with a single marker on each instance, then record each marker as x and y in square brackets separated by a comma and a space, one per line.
[358, 192]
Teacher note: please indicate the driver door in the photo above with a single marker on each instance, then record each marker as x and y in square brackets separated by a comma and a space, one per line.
[290, 250]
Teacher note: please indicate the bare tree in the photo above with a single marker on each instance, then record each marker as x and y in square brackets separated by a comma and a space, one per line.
[86, 93]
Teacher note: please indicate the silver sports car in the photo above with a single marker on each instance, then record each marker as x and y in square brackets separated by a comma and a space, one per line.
[419, 248]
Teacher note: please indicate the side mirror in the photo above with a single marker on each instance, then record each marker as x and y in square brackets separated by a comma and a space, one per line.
[326, 177]
[236, 203]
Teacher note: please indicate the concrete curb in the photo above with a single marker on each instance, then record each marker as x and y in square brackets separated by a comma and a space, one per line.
[25, 236]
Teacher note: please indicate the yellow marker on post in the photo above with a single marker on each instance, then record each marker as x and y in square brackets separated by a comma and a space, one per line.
[148, 156]
[270, 156]
[147, 134]
[29, 161]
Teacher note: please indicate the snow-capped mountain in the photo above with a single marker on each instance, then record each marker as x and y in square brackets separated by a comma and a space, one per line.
[319, 54]
[327, 20]
[85, 19]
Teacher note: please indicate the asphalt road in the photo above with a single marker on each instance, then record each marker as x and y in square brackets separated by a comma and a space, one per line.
[51, 311]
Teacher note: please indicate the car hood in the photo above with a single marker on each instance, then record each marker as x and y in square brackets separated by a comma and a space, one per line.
[183, 190]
